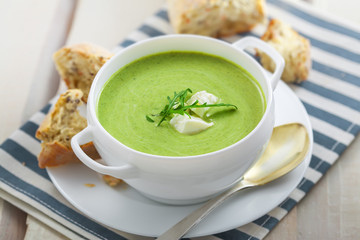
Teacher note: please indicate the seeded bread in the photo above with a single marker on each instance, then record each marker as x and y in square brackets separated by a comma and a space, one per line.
[294, 48]
[215, 18]
[79, 63]
[57, 129]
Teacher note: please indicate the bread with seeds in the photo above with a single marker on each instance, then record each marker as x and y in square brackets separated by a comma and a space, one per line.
[78, 64]
[215, 18]
[57, 129]
[294, 48]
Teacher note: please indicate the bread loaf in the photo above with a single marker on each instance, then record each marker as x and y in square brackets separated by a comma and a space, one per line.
[215, 18]
[57, 129]
[79, 63]
[294, 48]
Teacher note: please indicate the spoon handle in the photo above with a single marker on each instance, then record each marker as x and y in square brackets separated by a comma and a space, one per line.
[182, 227]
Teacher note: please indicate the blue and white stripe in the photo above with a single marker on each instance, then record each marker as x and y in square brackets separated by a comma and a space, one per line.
[330, 96]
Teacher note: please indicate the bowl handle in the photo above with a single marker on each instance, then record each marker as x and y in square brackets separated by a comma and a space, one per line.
[85, 136]
[269, 50]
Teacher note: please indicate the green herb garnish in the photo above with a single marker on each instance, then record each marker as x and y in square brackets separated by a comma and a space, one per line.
[177, 105]
[149, 119]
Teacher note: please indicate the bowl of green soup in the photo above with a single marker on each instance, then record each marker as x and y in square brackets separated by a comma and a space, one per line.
[180, 118]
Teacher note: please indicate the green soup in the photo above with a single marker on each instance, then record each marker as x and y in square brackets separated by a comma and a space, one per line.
[142, 87]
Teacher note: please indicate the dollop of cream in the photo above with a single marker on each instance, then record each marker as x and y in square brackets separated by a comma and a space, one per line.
[189, 124]
[202, 97]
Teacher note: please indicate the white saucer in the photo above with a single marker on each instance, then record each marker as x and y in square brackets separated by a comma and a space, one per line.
[123, 208]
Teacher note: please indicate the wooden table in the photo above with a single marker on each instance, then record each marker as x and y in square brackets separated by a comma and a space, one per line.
[31, 30]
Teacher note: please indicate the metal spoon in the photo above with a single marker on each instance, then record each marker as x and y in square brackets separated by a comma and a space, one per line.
[287, 148]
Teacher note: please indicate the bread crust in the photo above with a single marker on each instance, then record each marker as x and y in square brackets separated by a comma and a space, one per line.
[294, 48]
[55, 154]
[215, 18]
[79, 63]
[57, 129]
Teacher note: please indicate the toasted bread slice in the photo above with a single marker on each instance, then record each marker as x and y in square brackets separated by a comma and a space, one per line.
[294, 48]
[57, 129]
[215, 18]
[78, 64]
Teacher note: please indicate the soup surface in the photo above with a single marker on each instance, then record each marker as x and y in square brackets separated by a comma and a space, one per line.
[141, 88]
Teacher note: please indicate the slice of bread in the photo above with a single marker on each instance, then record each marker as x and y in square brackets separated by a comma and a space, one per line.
[57, 129]
[294, 48]
[78, 64]
[215, 18]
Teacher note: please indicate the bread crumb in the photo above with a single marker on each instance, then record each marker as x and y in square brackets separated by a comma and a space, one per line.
[91, 185]
[112, 181]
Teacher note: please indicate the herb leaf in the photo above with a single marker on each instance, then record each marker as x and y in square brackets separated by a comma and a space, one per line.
[177, 105]
[149, 118]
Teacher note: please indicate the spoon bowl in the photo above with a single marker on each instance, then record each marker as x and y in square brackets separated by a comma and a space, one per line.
[286, 149]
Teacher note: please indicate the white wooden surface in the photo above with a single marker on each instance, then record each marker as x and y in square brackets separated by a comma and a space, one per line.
[31, 30]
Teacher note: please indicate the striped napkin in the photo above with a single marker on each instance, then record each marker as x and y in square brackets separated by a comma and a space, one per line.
[330, 96]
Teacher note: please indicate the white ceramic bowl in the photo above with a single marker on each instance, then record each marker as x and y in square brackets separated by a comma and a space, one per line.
[190, 179]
